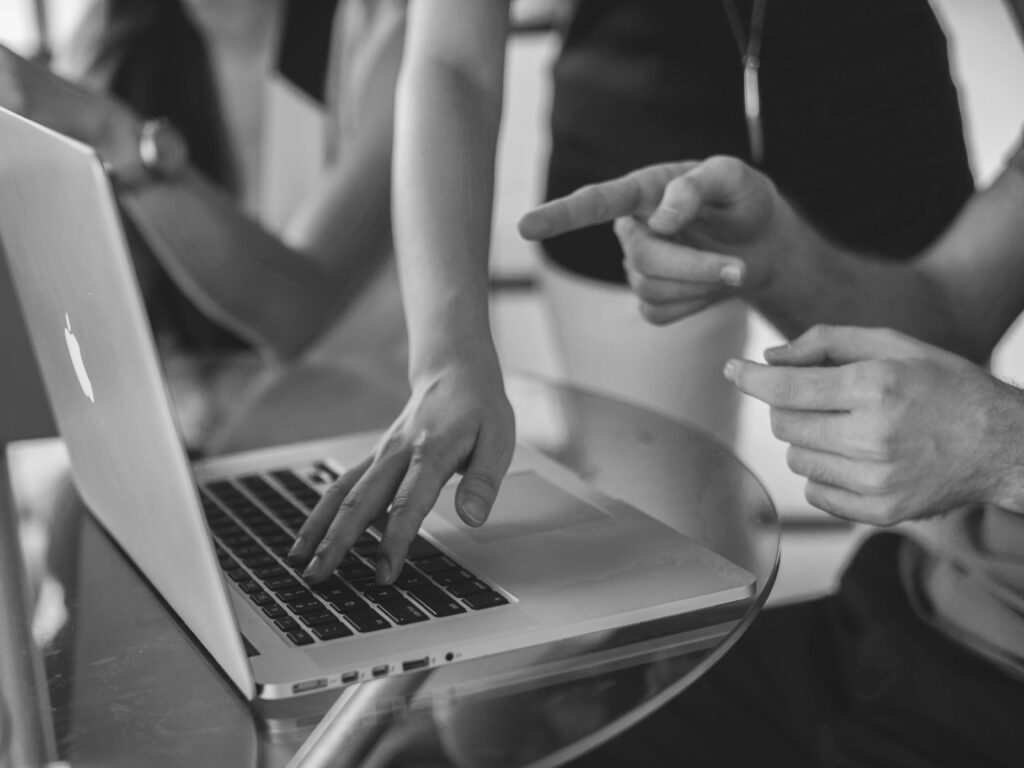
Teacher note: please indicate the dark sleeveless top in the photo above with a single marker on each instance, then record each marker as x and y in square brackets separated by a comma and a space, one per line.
[163, 70]
[861, 120]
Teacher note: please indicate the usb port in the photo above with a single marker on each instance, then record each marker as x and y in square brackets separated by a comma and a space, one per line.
[349, 677]
[381, 670]
[309, 685]
[408, 666]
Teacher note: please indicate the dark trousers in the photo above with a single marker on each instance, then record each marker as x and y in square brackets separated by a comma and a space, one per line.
[854, 679]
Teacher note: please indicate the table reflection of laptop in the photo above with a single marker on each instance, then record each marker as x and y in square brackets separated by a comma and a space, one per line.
[551, 563]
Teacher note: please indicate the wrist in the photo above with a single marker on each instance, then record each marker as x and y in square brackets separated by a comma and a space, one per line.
[789, 243]
[475, 353]
[135, 150]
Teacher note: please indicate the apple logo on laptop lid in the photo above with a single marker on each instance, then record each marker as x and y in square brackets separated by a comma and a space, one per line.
[75, 351]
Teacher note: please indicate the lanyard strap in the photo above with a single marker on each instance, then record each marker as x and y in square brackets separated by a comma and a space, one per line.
[750, 53]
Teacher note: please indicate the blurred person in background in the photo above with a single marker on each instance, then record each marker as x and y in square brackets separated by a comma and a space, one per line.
[261, 218]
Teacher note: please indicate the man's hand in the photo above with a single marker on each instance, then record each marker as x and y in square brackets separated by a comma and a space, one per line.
[886, 428]
[457, 420]
[692, 233]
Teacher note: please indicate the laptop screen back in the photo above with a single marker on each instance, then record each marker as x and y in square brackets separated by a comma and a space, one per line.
[72, 271]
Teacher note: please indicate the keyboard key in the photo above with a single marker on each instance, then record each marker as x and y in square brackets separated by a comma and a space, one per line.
[274, 611]
[421, 548]
[446, 578]
[299, 637]
[261, 598]
[237, 574]
[282, 583]
[269, 572]
[402, 612]
[282, 507]
[233, 540]
[287, 624]
[292, 521]
[258, 561]
[245, 550]
[306, 606]
[367, 549]
[347, 604]
[432, 565]
[281, 550]
[410, 577]
[332, 631]
[252, 516]
[249, 586]
[329, 585]
[227, 562]
[278, 538]
[436, 601]
[327, 470]
[287, 478]
[484, 600]
[225, 527]
[295, 595]
[316, 619]
[308, 499]
[265, 528]
[355, 571]
[382, 594]
[464, 588]
[367, 620]
[220, 487]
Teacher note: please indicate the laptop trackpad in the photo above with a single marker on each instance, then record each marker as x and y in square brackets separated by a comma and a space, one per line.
[528, 505]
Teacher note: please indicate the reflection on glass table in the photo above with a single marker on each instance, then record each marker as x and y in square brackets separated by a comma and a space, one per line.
[125, 682]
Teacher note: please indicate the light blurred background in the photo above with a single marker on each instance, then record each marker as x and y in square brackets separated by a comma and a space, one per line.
[989, 62]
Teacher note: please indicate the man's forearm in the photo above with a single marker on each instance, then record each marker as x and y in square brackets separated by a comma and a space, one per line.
[814, 281]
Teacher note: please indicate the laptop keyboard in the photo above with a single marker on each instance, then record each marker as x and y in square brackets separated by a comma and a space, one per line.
[254, 520]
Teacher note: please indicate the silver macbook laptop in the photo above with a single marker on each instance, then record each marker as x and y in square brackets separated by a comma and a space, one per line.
[555, 559]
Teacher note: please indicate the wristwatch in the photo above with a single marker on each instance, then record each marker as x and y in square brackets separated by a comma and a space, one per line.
[163, 151]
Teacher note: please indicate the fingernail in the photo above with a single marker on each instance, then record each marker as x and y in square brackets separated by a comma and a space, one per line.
[383, 571]
[730, 370]
[772, 351]
[732, 274]
[474, 511]
[312, 568]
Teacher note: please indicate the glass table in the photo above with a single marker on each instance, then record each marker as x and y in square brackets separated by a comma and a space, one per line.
[94, 670]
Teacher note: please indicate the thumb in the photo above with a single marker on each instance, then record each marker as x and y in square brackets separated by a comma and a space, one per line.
[479, 486]
[716, 181]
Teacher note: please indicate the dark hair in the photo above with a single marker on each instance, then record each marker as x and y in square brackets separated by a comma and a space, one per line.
[160, 66]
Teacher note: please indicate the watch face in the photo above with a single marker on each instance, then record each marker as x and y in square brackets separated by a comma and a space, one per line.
[162, 148]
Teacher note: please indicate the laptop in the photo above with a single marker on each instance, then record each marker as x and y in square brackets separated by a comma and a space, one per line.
[556, 559]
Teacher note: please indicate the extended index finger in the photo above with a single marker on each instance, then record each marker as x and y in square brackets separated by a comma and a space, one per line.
[799, 389]
[635, 194]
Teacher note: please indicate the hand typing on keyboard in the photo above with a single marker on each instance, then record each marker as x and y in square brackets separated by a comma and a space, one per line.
[457, 420]
[253, 519]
